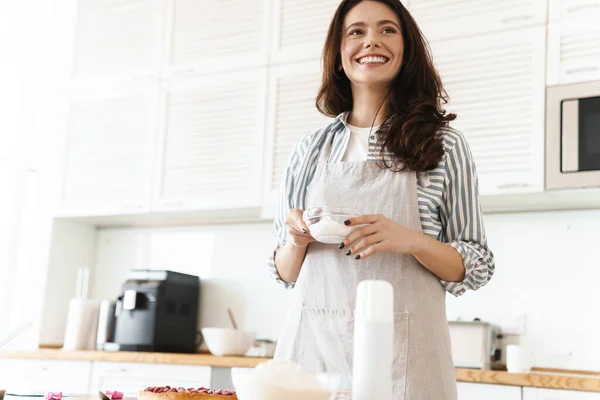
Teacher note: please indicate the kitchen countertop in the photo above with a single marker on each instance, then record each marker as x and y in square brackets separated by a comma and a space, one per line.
[550, 380]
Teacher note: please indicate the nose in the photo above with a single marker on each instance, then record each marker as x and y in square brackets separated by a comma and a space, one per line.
[371, 41]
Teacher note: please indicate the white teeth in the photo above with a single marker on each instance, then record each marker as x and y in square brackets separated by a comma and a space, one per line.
[381, 60]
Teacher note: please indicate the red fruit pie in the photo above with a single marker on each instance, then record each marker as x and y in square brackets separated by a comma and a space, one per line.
[169, 393]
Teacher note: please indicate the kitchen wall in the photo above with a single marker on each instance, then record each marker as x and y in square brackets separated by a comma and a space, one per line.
[547, 271]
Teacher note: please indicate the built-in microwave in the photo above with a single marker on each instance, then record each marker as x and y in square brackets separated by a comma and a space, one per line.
[573, 136]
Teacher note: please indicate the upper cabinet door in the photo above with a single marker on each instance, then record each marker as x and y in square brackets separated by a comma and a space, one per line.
[208, 35]
[292, 114]
[574, 50]
[210, 157]
[573, 9]
[109, 154]
[496, 88]
[300, 28]
[118, 39]
[447, 19]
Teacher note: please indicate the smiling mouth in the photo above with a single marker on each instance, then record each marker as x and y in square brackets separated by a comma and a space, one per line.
[373, 60]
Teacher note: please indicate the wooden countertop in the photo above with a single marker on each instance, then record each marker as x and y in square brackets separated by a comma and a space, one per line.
[205, 359]
[550, 380]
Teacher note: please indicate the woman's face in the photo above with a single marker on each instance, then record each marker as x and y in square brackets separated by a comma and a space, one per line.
[372, 45]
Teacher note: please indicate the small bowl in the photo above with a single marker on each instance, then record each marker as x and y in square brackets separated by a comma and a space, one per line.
[326, 224]
[228, 342]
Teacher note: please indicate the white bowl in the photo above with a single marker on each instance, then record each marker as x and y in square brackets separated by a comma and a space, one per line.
[228, 342]
[278, 380]
[326, 224]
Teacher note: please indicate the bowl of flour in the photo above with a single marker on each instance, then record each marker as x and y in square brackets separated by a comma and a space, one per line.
[326, 224]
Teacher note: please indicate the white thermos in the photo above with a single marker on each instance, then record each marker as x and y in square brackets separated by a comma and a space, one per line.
[373, 341]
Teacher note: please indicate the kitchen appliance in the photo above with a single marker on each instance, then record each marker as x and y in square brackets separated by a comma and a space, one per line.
[475, 344]
[573, 136]
[106, 323]
[157, 311]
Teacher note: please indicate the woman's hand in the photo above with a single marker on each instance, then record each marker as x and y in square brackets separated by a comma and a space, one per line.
[298, 234]
[380, 234]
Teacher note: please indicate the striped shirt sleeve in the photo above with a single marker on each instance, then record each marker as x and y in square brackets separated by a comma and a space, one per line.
[283, 206]
[462, 218]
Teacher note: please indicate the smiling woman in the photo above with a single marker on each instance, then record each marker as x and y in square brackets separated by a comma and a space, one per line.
[410, 86]
[391, 154]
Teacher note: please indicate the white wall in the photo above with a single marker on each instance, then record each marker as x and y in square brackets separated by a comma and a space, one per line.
[229, 259]
[547, 269]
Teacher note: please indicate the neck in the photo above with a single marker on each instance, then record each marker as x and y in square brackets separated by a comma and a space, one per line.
[366, 104]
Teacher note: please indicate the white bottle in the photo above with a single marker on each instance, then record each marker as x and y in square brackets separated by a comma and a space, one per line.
[373, 341]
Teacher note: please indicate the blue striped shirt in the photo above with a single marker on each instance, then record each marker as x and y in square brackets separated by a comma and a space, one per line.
[448, 199]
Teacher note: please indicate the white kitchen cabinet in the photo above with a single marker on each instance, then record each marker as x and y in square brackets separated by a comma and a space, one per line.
[479, 391]
[215, 36]
[292, 114]
[299, 28]
[130, 378]
[110, 147]
[554, 394]
[496, 87]
[574, 49]
[211, 147]
[451, 19]
[29, 376]
[118, 40]
[573, 9]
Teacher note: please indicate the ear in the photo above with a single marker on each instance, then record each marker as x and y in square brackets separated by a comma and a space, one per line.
[340, 67]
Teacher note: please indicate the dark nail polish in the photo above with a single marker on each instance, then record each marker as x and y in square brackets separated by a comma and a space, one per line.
[303, 230]
[341, 246]
[347, 222]
[348, 253]
[357, 257]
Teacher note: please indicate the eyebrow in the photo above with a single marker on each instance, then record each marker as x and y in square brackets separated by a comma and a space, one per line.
[382, 22]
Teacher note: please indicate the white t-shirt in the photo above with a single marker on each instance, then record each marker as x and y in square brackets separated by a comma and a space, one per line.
[358, 145]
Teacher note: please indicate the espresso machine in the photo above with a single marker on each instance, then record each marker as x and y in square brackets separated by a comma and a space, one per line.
[156, 311]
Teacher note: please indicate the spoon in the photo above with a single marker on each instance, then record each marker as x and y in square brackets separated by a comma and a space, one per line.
[232, 319]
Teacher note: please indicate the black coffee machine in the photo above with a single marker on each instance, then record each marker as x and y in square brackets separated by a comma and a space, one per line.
[157, 311]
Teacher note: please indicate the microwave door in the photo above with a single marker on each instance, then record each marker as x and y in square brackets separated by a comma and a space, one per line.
[573, 136]
[589, 134]
[580, 135]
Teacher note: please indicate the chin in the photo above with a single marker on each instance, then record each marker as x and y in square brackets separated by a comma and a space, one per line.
[372, 81]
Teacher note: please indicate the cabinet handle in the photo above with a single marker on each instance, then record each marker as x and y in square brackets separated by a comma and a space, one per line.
[513, 185]
[581, 8]
[516, 18]
[117, 371]
[173, 204]
[590, 68]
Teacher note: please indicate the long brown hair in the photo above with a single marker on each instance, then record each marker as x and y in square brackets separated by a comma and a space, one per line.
[415, 98]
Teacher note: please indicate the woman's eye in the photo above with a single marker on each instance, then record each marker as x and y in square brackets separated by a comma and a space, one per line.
[389, 30]
[355, 32]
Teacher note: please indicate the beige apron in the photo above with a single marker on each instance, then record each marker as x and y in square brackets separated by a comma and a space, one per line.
[319, 332]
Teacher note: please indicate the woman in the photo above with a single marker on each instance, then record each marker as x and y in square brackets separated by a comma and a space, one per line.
[389, 152]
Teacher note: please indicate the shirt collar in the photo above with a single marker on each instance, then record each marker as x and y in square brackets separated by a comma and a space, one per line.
[342, 118]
